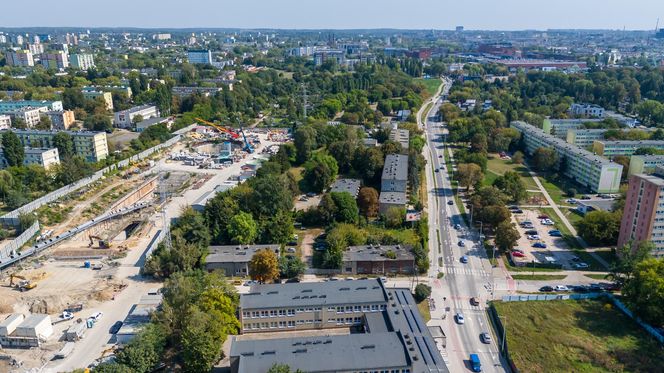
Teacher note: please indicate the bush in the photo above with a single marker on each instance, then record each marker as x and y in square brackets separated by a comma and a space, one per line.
[422, 292]
[571, 192]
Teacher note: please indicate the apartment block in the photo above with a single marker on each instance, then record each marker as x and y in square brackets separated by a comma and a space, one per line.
[61, 120]
[5, 122]
[387, 200]
[587, 169]
[559, 127]
[643, 215]
[22, 58]
[350, 186]
[122, 89]
[587, 110]
[395, 173]
[13, 105]
[124, 119]
[203, 56]
[644, 164]
[164, 36]
[584, 138]
[45, 157]
[389, 334]
[31, 116]
[55, 60]
[401, 137]
[624, 147]
[188, 91]
[323, 55]
[83, 61]
[378, 260]
[92, 146]
[91, 94]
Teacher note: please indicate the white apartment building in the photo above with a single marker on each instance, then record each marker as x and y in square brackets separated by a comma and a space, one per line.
[587, 110]
[83, 61]
[5, 122]
[124, 119]
[29, 115]
[611, 149]
[45, 157]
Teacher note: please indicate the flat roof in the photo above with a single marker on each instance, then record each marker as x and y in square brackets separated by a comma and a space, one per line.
[351, 186]
[392, 197]
[396, 167]
[32, 321]
[377, 253]
[653, 179]
[321, 293]
[631, 142]
[235, 253]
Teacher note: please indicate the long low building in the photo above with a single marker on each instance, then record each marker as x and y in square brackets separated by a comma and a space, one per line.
[559, 127]
[624, 147]
[92, 146]
[644, 164]
[584, 138]
[402, 137]
[587, 169]
[378, 260]
[390, 334]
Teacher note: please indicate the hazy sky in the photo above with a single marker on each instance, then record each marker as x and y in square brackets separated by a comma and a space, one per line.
[407, 14]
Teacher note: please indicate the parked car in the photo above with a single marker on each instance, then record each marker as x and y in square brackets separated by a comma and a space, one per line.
[461, 243]
[585, 196]
[581, 265]
[580, 289]
[459, 318]
[555, 233]
[561, 288]
[513, 207]
[518, 251]
[96, 316]
[293, 280]
[546, 289]
[518, 254]
[517, 211]
[571, 201]
[291, 250]
[596, 287]
[116, 327]
[450, 202]
[474, 301]
[436, 170]
[534, 237]
[485, 337]
[464, 259]
[539, 245]
[547, 222]
[457, 226]
[250, 282]
[531, 231]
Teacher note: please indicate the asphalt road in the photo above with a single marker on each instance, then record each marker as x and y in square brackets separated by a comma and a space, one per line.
[461, 281]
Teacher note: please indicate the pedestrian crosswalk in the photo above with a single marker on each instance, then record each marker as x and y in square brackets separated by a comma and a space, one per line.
[466, 271]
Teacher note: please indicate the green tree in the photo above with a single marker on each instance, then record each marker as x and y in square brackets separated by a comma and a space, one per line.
[282, 368]
[422, 292]
[599, 228]
[517, 157]
[192, 226]
[506, 235]
[469, 174]
[628, 256]
[644, 292]
[367, 200]
[98, 122]
[346, 207]
[268, 195]
[264, 266]
[278, 229]
[12, 149]
[143, 353]
[65, 144]
[44, 123]
[201, 341]
[545, 159]
[395, 217]
[304, 139]
[72, 98]
[242, 228]
[511, 184]
[291, 266]
[137, 119]
[320, 171]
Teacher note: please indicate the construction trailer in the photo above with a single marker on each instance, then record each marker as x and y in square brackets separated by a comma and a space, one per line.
[35, 326]
[75, 332]
[8, 325]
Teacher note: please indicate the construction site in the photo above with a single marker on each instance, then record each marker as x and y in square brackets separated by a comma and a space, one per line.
[93, 243]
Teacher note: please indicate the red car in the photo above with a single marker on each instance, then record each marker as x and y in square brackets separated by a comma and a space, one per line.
[518, 254]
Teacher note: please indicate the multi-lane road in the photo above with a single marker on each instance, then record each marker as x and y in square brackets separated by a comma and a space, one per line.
[461, 281]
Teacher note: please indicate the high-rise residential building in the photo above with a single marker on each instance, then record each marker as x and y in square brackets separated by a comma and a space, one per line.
[5, 122]
[323, 55]
[18, 40]
[13, 105]
[3, 39]
[29, 115]
[61, 120]
[55, 60]
[22, 57]
[36, 48]
[161, 37]
[83, 61]
[643, 215]
[203, 56]
[644, 164]
[91, 94]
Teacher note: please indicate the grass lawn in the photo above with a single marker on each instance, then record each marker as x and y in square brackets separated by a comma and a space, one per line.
[497, 167]
[423, 307]
[430, 84]
[538, 277]
[608, 255]
[512, 268]
[577, 336]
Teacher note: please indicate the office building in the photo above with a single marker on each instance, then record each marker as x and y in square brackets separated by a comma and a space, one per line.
[200, 56]
[5, 122]
[587, 110]
[125, 118]
[234, 260]
[350, 186]
[643, 215]
[45, 157]
[83, 61]
[559, 127]
[401, 137]
[92, 94]
[390, 333]
[378, 260]
[61, 120]
[13, 105]
[644, 164]
[22, 58]
[58, 60]
[587, 169]
[92, 146]
[611, 149]
[395, 173]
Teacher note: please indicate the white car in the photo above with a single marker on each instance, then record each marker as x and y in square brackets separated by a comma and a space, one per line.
[547, 222]
[96, 316]
[459, 318]
[534, 237]
[560, 288]
[581, 265]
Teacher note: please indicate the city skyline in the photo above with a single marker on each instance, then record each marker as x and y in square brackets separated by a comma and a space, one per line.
[370, 14]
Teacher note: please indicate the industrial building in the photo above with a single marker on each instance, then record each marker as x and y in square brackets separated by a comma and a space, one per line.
[644, 164]
[234, 260]
[125, 118]
[611, 149]
[587, 169]
[92, 146]
[643, 216]
[401, 137]
[378, 260]
[350, 186]
[390, 335]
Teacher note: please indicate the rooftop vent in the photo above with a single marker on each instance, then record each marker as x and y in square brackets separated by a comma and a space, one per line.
[307, 291]
[322, 296]
[247, 354]
[327, 341]
[273, 292]
[300, 351]
[365, 347]
[344, 289]
[269, 352]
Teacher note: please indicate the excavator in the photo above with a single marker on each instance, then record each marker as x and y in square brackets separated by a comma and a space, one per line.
[23, 284]
[234, 135]
[103, 244]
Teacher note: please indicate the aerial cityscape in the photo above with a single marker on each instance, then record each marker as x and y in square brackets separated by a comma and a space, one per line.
[318, 187]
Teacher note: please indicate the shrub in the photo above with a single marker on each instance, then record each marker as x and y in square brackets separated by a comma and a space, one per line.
[422, 292]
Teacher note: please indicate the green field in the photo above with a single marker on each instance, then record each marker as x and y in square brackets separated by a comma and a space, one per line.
[430, 84]
[497, 167]
[423, 307]
[577, 336]
[558, 190]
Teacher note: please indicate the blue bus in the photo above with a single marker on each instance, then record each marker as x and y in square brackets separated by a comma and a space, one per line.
[475, 363]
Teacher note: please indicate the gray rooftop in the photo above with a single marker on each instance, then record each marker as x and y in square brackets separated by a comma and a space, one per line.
[598, 204]
[20, 132]
[33, 320]
[632, 143]
[393, 197]
[235, 253]
[311, 294]
[377, 253]
[401, 136]
[396, 167]
[138, 108]
[351, 186]
[653, 179]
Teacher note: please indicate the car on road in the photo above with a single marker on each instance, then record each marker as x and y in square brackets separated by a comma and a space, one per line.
[546, 289]
[250, 282]
[293, 280]
[450, 202]
[116, 327]
[518, 254]
[581, 265]
[534, 237]
[461, 243]
[586, 197]
[475, 363]
[436, 170]
[485, 337]
[596, 287]
[561, 288]
[457, 226]
[440, 156]
[580, 289]
[571, 201]
[464, 259]
[517, 211]
[459, 318]
[555, 233]
[474, 301]
[539, 245]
